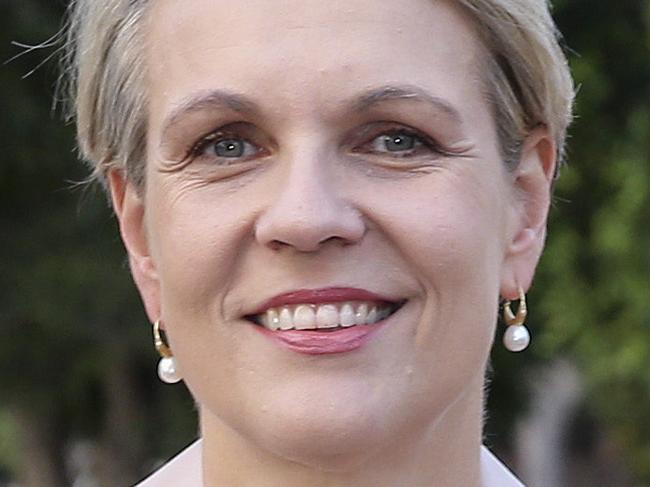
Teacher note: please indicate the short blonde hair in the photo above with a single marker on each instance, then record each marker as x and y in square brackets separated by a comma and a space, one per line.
[528, 78]
[528, 82]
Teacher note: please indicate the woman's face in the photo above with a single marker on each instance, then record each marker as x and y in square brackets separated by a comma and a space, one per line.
[322, 153]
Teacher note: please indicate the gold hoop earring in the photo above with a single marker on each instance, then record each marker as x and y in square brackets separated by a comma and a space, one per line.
[517, 337]
[167, 366]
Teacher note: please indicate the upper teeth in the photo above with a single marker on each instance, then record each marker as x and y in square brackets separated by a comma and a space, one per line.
[311, 316]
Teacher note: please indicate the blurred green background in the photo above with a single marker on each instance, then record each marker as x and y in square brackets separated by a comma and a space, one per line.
[80, 403]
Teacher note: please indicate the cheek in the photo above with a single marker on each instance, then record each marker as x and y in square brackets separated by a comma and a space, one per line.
[196, 240]
[449, 229]
[449, 226]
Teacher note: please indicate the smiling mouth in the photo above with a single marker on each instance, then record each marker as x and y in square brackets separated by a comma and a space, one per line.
[324, 317]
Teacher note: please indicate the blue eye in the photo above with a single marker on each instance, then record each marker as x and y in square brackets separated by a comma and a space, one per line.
[230, 148]
[396, 142]
[225, 146]
[399, 143]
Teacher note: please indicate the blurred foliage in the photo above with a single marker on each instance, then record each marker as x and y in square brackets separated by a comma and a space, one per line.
[8, 453]
[591, 299]
[594, 284]
[68, 310]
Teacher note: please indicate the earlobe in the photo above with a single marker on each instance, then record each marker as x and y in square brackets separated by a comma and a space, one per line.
[533, 179]
[129, 208]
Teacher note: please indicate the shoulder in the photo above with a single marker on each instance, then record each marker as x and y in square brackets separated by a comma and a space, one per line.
[494, 473]
[184, 470]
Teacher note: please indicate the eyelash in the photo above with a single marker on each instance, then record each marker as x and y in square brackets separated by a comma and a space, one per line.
[213, 138]
[420, 138]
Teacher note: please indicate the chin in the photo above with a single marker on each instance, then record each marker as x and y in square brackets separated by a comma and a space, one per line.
[325, 439]
[330, 424]
[335, 426]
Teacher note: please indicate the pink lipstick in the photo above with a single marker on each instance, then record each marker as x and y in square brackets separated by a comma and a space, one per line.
[315, 342]
[326, 335]
[325, 295]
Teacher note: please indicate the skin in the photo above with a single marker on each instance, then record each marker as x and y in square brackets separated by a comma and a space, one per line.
[319, 201]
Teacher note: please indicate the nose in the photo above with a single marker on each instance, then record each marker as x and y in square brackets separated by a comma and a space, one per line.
[309, 212]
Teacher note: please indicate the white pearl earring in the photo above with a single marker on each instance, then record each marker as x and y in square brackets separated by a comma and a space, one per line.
[517, 336]
[168, 370]
[167, 367]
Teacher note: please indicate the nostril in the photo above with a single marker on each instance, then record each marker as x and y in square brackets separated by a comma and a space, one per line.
[336, 240]
[311, 246]
[308, 227]
[276, 244]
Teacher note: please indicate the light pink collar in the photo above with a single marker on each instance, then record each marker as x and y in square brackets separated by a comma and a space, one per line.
[184, 470]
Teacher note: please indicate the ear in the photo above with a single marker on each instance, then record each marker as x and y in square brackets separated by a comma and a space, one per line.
[129, 207]
[532, 180]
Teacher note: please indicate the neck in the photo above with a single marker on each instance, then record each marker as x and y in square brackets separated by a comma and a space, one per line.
[445, 454]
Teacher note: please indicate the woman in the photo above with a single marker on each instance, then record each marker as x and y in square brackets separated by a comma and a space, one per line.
[323, 204]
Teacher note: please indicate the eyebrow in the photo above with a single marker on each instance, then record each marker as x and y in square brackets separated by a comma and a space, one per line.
[210, 99]
[377, 96]
[239, 103]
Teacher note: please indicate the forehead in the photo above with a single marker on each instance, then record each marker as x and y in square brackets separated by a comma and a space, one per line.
[308, 54]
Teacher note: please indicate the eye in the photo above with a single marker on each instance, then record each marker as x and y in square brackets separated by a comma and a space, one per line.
[223, 146]
[230, 144]
[395, 142]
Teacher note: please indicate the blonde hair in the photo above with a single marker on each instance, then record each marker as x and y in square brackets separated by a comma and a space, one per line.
[528, 82]
[528, 78]
[104, 76]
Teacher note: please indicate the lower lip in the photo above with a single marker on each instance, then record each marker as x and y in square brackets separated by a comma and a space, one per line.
[323, 342]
